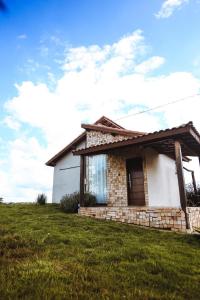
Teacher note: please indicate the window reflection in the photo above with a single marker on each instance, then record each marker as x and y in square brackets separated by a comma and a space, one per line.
[97, 183]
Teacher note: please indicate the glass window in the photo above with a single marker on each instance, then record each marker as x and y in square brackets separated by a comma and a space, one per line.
[97, 181]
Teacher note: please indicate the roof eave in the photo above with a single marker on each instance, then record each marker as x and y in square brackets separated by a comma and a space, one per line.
[112, 130]
[52, 162]
[169, 133]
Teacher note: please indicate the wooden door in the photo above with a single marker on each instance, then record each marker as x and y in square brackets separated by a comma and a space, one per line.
[135, 178]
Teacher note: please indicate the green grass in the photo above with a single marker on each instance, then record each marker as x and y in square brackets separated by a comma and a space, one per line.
[47, 254]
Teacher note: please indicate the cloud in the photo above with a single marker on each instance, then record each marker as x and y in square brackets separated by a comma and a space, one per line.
[27, 174]
[112, 80]
[11, 123]
[168, 7]
[149, 65]
[22, 36]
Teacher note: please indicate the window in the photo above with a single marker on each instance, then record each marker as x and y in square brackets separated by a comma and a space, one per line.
[97, 181]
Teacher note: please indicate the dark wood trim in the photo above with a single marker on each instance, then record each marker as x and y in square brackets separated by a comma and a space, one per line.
[151, 137]
[186, 159]
[194, 183]
[195, 135]
[188, 148]
[100, 205]
[82, 179]
[181, 181]
[127, 178]
[72, 146]
[193, 179]
[108, 122]
[127, 183]
[112, 130]
[199, 160]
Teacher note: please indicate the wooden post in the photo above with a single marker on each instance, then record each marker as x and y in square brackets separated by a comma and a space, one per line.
[193, 179]
[194, 183]
[181, 181]
[82, 179]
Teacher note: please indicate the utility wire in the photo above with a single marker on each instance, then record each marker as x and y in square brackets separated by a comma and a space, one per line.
[159, 106]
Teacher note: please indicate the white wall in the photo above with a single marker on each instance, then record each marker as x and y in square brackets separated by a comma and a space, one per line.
[66, 181]
[162, 180]
[192, 165]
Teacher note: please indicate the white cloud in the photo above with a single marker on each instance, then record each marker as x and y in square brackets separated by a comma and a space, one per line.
[150, 65]
[27, 174]
[168, 7]
[111, 80]
[22, 36]
[11, 123]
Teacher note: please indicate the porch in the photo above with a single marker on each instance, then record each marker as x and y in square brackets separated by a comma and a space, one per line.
[145, 179]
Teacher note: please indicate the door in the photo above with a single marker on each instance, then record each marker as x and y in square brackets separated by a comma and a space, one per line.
[135, 177]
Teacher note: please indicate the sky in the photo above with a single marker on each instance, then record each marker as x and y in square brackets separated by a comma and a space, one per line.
[66, 62]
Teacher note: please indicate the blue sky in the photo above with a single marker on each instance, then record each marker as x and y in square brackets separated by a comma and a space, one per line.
[177, 38]
[61, 62]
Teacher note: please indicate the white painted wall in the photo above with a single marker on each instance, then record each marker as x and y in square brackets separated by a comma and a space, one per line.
[192, 165]
[162, 180]
[66, 181]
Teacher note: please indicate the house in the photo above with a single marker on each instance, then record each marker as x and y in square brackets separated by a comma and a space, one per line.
[137, 177]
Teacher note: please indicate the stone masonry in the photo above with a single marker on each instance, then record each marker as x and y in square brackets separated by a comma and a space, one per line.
[97, 138]
[164, 218]
[117, 208]
[116, 181]
[194, 216]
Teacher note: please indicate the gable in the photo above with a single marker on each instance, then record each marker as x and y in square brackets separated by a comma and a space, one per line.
[72, 146]
[108, 123]
[95, 138]
[106, 131]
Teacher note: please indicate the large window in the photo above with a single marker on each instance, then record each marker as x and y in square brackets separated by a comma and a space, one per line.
[97, 183]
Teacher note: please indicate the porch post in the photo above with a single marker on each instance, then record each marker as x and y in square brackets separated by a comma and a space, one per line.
[194, 183]
[181, 181]
[82, 173]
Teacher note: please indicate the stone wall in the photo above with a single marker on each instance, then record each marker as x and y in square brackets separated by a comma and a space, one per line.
[194, 216]
[117, 199]
[97, 138]
[116, 181]
[116, 168]
[164, 218]
[146, 194]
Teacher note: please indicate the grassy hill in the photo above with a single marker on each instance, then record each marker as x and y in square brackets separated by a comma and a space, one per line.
[46, 254]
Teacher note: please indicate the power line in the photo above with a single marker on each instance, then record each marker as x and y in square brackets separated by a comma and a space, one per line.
[159, 106]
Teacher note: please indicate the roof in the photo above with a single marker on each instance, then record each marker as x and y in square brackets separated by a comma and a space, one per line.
[108, 122]
[162, 140]
[52, 162]
[103, 121]
[112, 130]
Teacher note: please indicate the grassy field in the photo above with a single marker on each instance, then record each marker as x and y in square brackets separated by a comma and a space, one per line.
[46, 254]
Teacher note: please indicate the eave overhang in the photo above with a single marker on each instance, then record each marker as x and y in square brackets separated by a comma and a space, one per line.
[162, 141]
[117, 131]
[52, 162]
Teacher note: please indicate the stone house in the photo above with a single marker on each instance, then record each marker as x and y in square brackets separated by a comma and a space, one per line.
[136, 177]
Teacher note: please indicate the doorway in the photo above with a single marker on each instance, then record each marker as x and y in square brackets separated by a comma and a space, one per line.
[135, 182]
